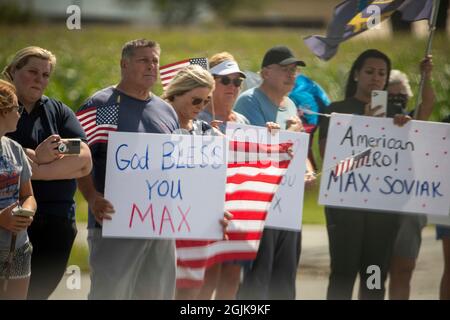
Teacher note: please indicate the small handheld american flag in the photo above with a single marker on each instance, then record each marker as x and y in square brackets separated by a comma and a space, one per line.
[97, 122]
[168, 71]
[353, 162]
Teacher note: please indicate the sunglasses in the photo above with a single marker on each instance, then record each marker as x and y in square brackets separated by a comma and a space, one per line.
[19, 109]
[226, 81]
[197, 101]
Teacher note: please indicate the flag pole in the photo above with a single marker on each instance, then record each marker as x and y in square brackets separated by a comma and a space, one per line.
[213, 112]
[432, 28]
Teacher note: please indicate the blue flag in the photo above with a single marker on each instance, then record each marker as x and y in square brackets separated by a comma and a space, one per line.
[352, 17]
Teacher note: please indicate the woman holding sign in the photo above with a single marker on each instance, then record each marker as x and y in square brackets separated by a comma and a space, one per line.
[17, 203]
[188, 93]
[361, 240]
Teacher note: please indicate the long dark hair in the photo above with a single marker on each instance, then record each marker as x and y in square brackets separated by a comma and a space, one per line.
[350, 88]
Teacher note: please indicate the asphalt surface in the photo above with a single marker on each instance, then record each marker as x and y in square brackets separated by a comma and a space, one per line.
[312, 277]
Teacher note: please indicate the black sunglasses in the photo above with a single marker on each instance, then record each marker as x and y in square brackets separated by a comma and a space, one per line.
[197, 101]
[226, 81]
[19, 109]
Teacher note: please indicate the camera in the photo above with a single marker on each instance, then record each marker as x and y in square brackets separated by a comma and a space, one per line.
[69, 146]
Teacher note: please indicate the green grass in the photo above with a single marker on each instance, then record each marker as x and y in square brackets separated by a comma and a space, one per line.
[82, 208]
[79, 257]
[88, 59]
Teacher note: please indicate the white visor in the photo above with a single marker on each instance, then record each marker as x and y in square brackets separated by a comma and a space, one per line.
[226, 67]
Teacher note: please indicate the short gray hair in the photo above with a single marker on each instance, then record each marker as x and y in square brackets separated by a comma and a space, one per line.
[129, 47]
[398, 77]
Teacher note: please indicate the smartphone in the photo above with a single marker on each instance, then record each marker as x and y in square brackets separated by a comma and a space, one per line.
[379, 98]
[23, 212]
[69, 146]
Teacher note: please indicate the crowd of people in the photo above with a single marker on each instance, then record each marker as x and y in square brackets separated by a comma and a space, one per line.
[36, 177]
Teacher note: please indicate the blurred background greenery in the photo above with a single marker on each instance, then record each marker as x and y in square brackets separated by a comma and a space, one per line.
[88, 60]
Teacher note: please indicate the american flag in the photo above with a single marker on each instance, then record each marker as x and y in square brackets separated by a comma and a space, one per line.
[254, 173]
[167, 72]
[97, 122]
[352, 163]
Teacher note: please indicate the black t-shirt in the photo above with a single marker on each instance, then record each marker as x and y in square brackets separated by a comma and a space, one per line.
[48, 117]
[350, 106]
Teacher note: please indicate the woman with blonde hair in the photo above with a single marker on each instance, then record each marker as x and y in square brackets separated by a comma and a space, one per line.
[42, 128]
[188, 93]
[15, 193]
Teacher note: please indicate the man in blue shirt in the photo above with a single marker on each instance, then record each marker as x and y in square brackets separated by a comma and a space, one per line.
[273, 273]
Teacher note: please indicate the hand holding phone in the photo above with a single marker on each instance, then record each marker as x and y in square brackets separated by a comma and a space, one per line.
[379, 98]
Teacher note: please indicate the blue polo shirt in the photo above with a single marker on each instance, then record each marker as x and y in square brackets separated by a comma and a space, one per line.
[50, 116]
[259, 109]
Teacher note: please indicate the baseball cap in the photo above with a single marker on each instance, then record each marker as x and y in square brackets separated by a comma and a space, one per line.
[281, 55]
[226, 67]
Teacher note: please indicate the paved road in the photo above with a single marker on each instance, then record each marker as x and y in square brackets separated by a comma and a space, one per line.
[312, 278]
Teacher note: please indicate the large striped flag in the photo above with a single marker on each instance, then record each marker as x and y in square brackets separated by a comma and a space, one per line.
[351, 163]
[352, 17]
[168, 71]
[97, 122]
[254, 173]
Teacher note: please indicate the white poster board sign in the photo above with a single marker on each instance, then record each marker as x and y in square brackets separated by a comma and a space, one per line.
[165, 186]
[287, 205]
[408, 170]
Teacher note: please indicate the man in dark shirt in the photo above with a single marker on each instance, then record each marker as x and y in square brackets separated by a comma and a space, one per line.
[126, 268]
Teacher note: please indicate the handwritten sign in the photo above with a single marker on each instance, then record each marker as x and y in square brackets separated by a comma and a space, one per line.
[287, 204]
[408, 170]
[165, 186]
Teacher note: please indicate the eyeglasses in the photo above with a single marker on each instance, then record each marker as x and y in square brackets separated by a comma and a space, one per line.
[227, 80]
[287, 69]
[19, 109]
[197, 101]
